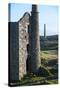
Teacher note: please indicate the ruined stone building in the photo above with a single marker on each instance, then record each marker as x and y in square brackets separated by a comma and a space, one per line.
[24, 46]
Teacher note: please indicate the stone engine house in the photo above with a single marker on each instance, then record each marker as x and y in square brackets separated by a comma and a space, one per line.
[24, 46]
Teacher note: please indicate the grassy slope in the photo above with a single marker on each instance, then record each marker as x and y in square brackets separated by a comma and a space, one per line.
[51, 43]
[49, 59]
[49, 54]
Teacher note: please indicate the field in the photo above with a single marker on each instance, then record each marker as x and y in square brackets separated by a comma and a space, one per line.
[49, 64]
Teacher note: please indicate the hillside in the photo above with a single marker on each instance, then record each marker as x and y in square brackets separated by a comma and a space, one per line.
[50, 43]
[48, 71]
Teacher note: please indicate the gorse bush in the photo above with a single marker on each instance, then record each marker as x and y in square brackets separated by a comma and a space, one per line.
[43, 72]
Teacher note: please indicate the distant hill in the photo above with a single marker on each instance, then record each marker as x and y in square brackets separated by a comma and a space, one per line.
[50, 43]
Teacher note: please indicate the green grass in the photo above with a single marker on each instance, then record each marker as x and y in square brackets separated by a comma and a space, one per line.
[49, 55]
[46, 56]
[52, 81]
[31, 80]
[37, 81]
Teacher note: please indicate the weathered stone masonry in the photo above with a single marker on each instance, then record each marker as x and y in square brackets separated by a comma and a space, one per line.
[23, 42]
[35, 42]
[24, 45]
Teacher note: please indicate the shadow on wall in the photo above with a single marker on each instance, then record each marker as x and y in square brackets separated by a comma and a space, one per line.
[13, 52]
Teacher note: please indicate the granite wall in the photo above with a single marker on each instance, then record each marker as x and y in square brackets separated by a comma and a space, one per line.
[19, 40]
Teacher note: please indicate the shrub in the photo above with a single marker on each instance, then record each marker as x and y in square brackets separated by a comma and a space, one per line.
[44, 72]
[54, 71]
[44, 62]
[52, 62]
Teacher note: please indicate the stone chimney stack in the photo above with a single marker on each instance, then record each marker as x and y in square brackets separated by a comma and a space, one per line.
[35, 41]
[44, 31]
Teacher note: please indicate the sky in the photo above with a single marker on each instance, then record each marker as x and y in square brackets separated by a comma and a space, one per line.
[47, 15]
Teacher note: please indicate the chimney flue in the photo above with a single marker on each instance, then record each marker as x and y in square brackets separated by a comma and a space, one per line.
[44, 31]
[35, 41]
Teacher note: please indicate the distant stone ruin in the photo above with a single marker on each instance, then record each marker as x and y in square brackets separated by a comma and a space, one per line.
[45, 37]
[44, 31]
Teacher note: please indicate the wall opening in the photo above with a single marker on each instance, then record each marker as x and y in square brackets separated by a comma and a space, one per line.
[27, 61]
